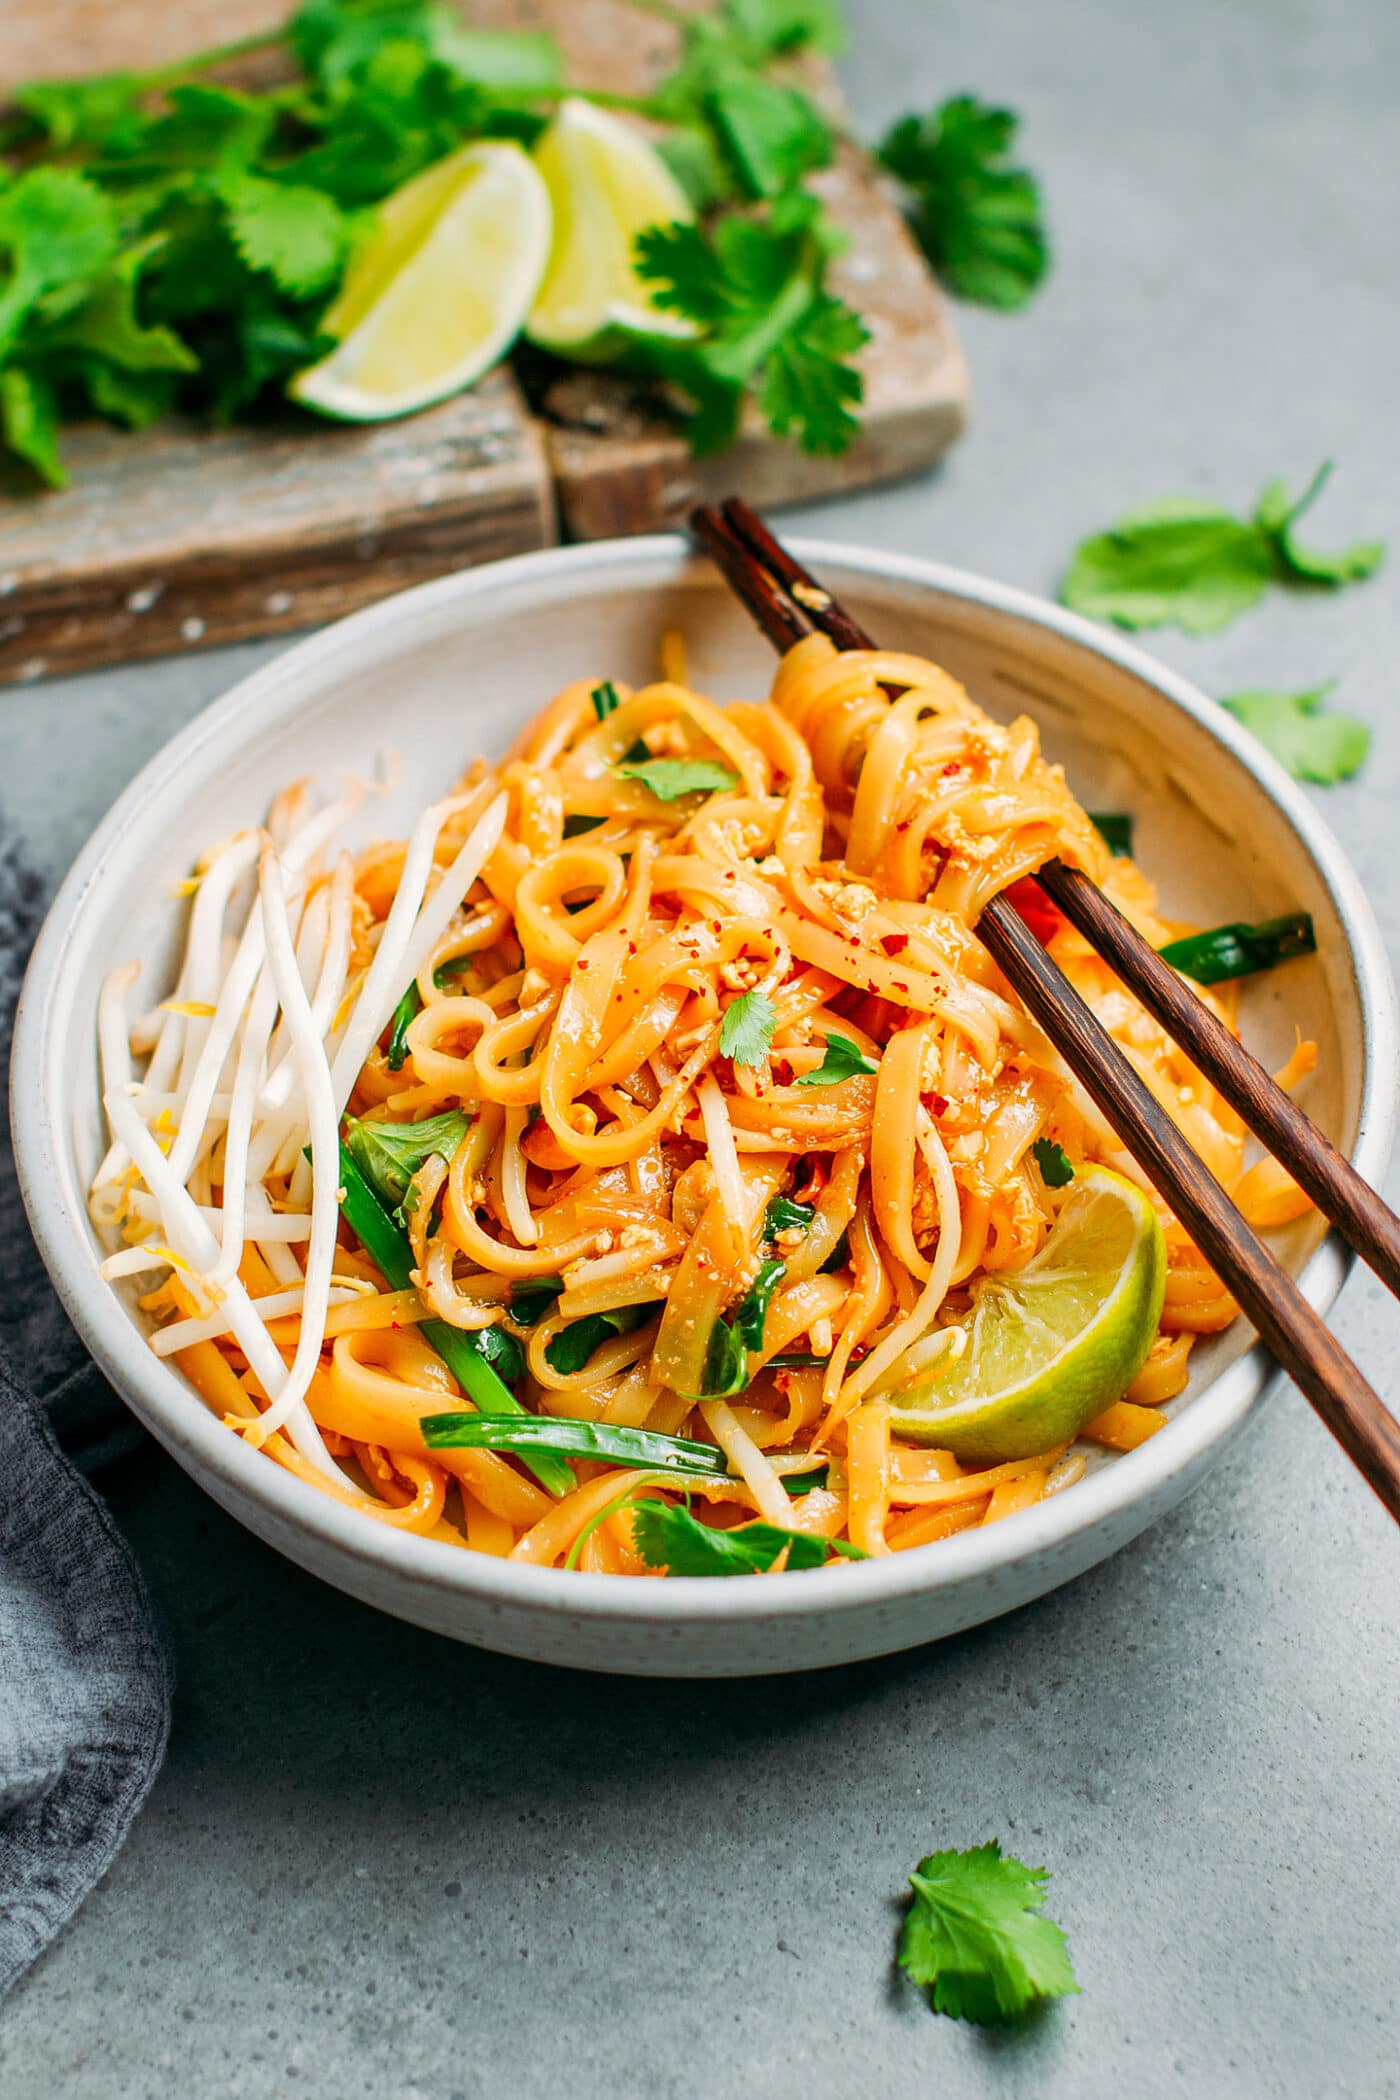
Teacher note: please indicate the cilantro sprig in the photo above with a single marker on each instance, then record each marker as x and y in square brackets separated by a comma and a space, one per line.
[668, 1536]
[843, 1059]
[746, 1032]
[670, 778]
[1186, 562]
[977, 217]
[976, 1939]
[1317, 745]
[755, 287]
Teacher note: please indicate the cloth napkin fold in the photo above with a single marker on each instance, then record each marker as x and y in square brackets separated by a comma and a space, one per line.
[85, 1678]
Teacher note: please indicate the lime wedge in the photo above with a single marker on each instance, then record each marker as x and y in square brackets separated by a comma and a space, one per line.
[605, 184]
[440, 290]
[1048, 1346]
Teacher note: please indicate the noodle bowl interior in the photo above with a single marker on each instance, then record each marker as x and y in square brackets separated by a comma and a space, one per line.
[614, 1174]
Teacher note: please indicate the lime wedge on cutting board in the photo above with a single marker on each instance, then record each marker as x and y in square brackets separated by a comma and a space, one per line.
[439, 291]
[1050, 1345]
[606, 184]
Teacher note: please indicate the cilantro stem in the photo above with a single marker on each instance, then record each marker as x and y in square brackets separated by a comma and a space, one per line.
[205, 61]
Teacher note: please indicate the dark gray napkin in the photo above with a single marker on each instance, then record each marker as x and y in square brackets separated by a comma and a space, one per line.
[84, 1677]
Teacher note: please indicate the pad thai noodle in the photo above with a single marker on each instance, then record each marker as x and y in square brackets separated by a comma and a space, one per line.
[608, 1174]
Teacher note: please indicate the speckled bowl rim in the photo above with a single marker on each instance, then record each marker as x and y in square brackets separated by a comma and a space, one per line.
[167, 1405]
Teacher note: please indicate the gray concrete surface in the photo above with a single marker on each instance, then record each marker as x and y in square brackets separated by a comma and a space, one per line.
[379, 1865]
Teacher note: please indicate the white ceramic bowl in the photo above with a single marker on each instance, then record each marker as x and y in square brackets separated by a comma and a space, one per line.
[453, 667]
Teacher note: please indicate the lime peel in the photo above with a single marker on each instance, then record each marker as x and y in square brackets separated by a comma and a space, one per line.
[1052, 1344]
[440, 290]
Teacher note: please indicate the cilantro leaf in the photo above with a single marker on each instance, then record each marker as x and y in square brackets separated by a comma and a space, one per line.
[1276, 513]
[975, 1938]
[754, 288]
[1313, 746]
[1182, 561]
[56, 227]
[88, 112]
[670, 1537]
[976, 217]
[772, 135]
[780, 28]
[531, 1302]
[843, 1060]
[105, 321]
[670, 778]
[298, 235]
[502, 1351]
[29, 422]
[390, 1154]
[1186, 562]
[747, 1028]
[1056, 1166]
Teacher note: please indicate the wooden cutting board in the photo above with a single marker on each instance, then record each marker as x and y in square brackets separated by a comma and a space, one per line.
[180, 537]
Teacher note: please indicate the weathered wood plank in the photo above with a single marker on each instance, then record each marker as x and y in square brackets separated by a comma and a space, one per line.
[185, 537]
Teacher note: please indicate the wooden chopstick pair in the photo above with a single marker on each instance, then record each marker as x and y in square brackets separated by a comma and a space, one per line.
[788, 603]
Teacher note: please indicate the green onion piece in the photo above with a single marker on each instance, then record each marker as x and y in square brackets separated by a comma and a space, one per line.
[645, 1448]
[410, 1005]
[726, 1364]
[455, 966]
[794, 1360]
[389, 1250]
[1115, 828]
[606, 699]
[783, 1215]
[678, 1457]
[751, 1313]
[1240, 950]
[575, 826]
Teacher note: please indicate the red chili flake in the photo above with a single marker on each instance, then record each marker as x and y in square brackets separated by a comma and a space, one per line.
[582, 964]
[954, 765]
[899, 985]
[937, 1104]
[894, 943]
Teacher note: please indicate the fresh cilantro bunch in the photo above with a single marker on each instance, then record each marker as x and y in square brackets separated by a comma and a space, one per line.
[977, 217]
[182, 255]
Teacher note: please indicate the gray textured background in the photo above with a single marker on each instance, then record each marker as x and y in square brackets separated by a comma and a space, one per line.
[377, 1864]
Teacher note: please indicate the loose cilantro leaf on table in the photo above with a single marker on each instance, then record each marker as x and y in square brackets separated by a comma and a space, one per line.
[671, 1538]
[1324, 748]
[1187, 562]
[1056, 1166]
[747, 1028]
[975, 1938]
[976, 216]
[670, 778]
[843, 1060]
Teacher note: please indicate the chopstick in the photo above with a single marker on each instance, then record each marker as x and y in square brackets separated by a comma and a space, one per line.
[788, 604]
